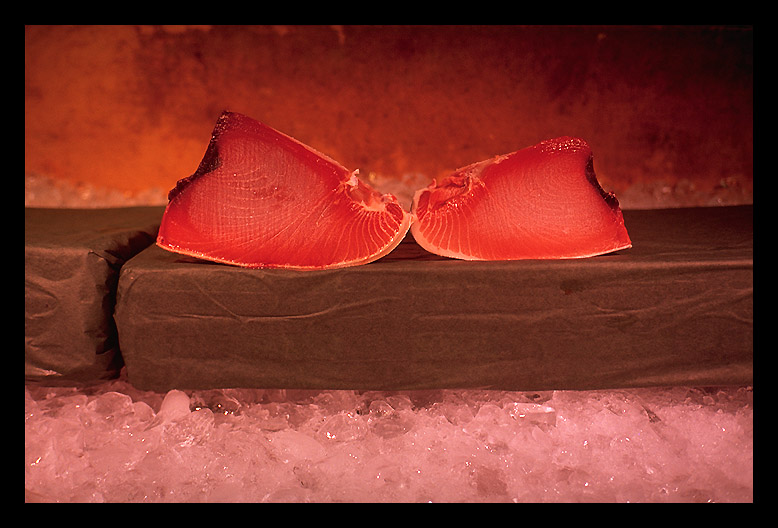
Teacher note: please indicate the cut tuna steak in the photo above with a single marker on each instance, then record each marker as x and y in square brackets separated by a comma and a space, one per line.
[542, 202]
[261, 199]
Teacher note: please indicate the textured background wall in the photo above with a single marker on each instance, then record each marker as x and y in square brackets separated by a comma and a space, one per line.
[132, 107]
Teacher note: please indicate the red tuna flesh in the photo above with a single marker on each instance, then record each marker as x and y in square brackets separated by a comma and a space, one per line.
[261, 199]
[542, 202]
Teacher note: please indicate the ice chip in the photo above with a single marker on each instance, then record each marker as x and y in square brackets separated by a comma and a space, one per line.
[294, 446]
[532, 413]
[387, 420]
[343, 427]
[193, 428]
[174, 407]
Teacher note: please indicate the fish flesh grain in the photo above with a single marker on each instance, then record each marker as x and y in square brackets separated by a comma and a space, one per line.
[541, 202]
[261, 199]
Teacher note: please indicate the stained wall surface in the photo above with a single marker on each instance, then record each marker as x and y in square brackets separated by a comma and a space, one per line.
[132, 107]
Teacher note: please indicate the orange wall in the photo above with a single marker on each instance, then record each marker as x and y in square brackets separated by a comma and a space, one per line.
[132, 107]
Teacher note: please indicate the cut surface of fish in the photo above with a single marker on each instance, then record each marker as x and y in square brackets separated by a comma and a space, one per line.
[261, 199]
[541, 202]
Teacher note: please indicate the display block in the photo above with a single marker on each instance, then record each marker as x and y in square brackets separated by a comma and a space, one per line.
[72, 259]
[675, 309]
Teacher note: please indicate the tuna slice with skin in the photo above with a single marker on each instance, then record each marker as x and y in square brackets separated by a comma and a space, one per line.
[542, 202]
[261, 199]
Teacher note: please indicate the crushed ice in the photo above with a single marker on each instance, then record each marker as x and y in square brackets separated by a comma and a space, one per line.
[113, 443]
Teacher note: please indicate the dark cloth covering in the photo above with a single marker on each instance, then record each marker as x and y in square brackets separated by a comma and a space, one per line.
[72, 259]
